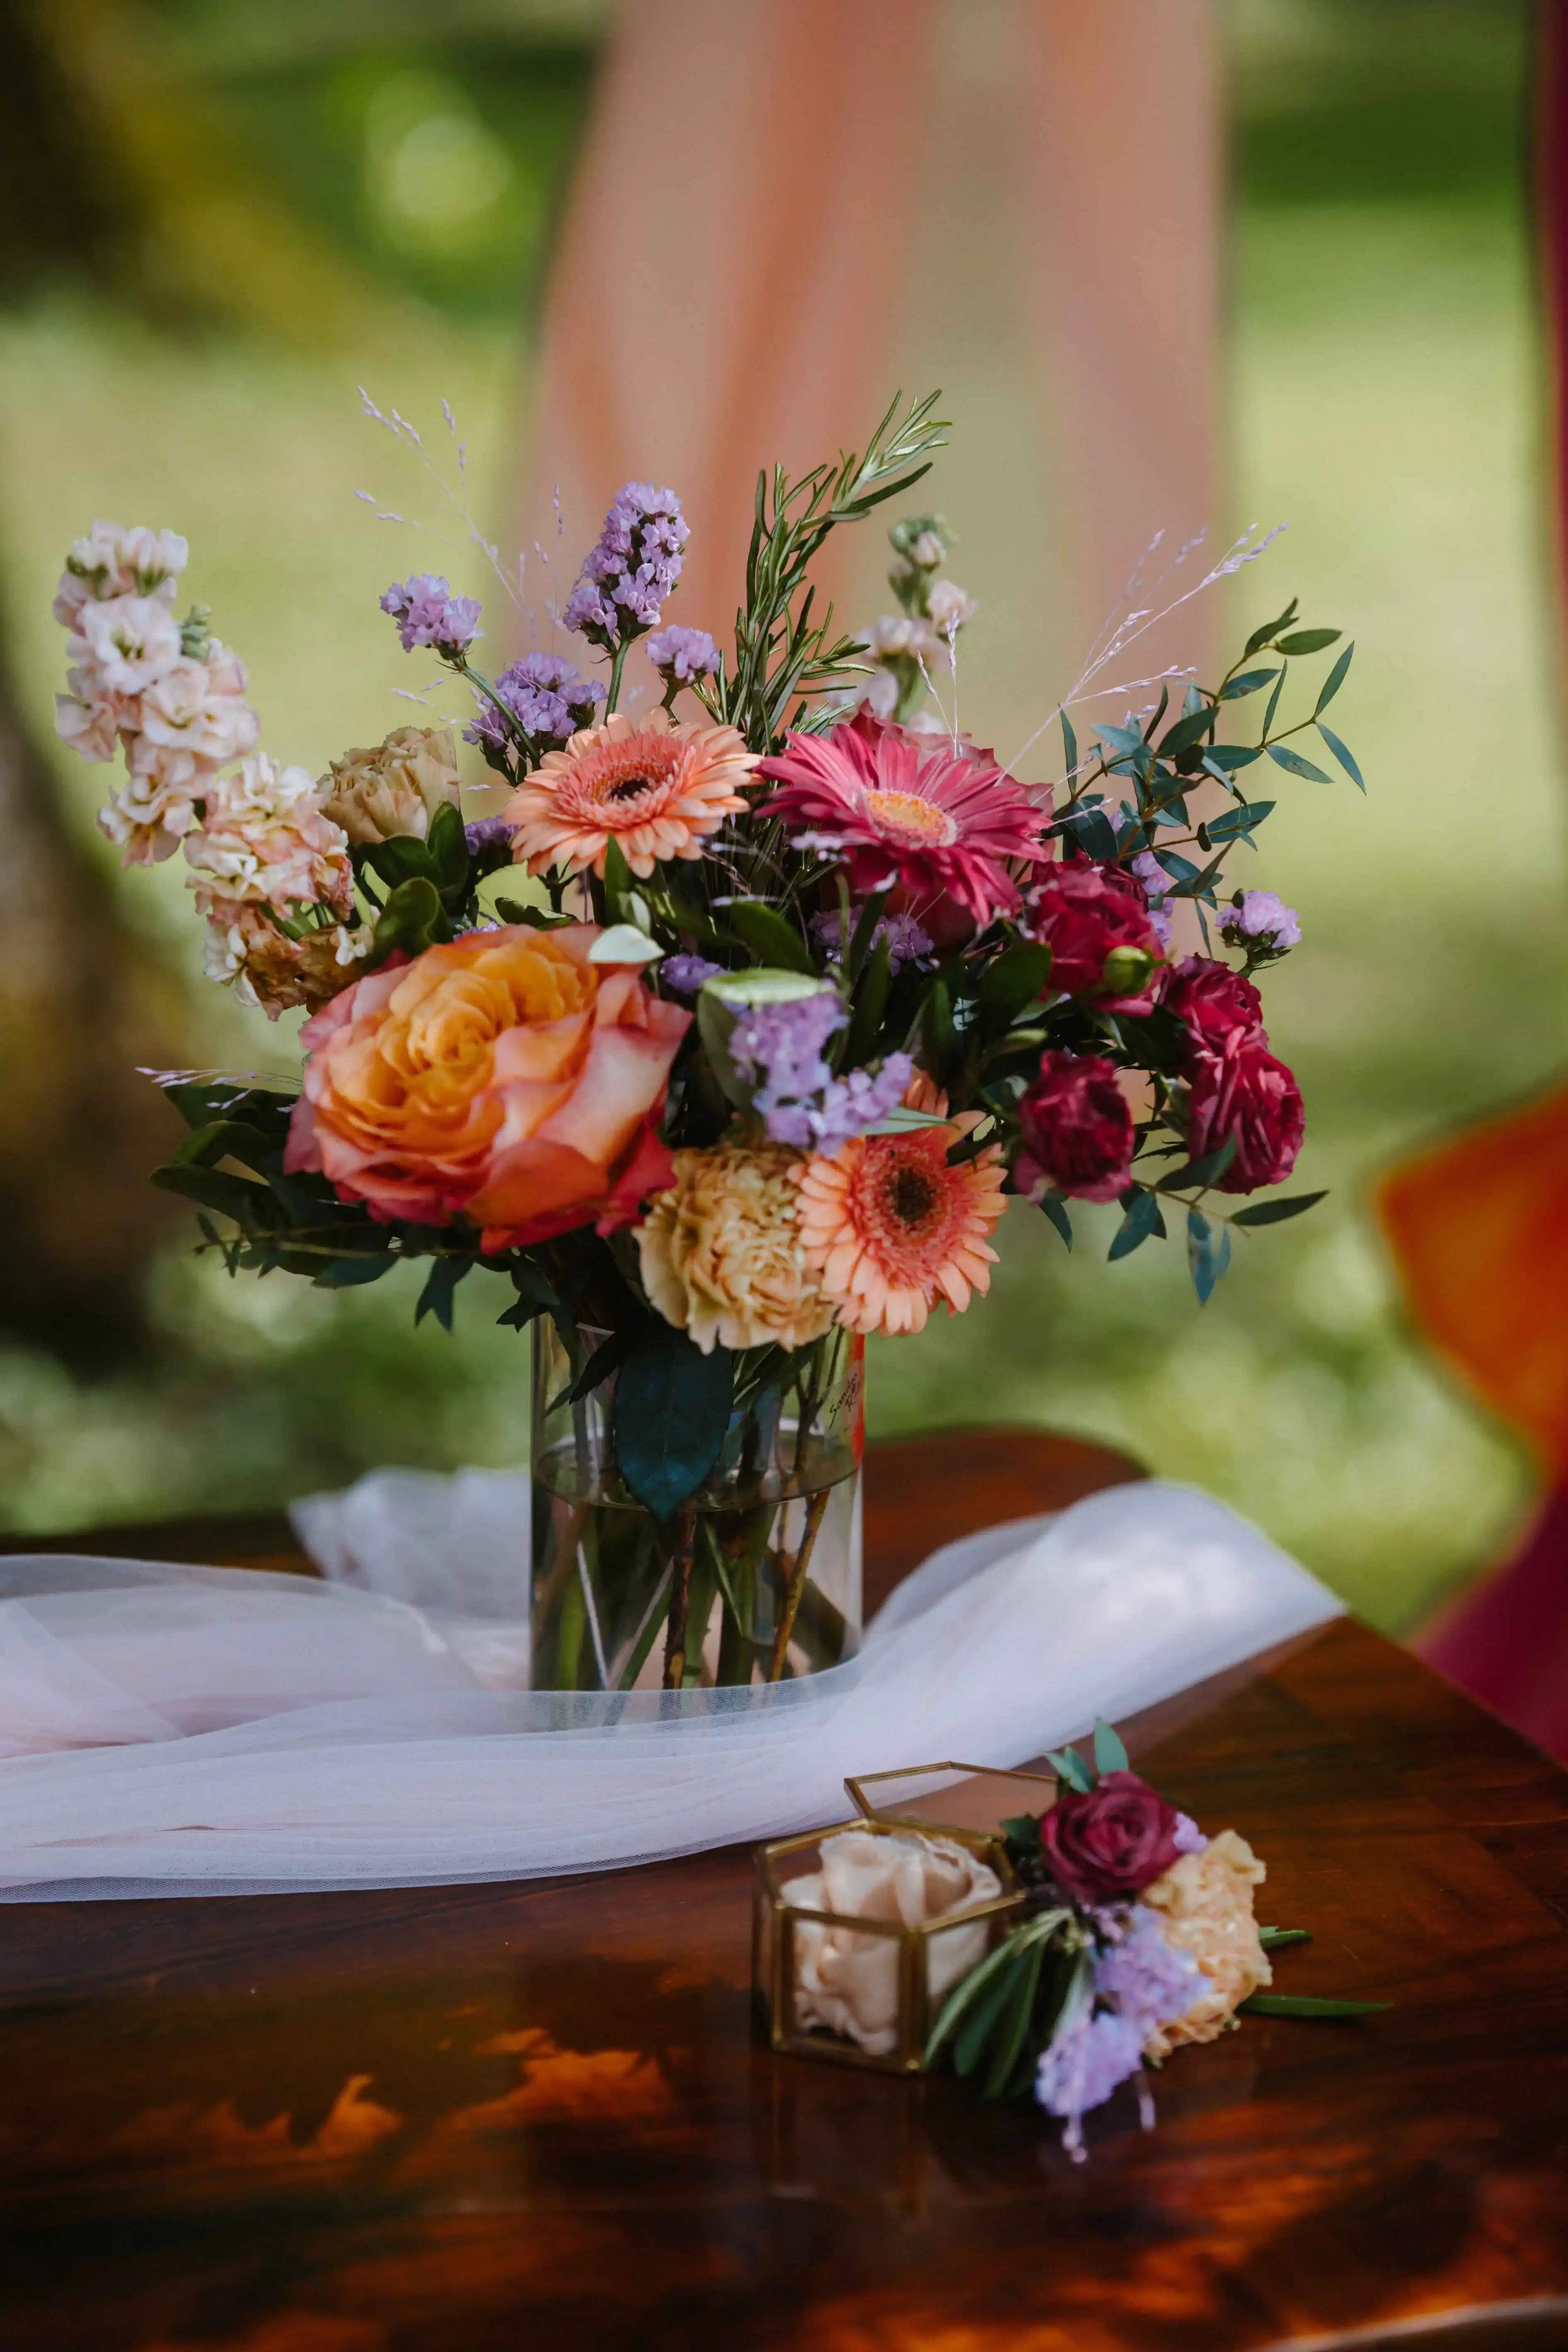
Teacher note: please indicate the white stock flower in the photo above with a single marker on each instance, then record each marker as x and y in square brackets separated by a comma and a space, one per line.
[929, 550]
[882, 695]
[111, 561]
[147, 819]
[900, 636]
[127, 642]
[89, 728]
[185, 710]
[265, 839]
[948, 608]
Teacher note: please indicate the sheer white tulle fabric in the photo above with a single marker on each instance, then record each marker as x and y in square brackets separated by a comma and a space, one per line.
[173, 1730]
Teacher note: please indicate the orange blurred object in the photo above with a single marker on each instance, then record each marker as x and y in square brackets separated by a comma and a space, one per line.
[1479, 1227]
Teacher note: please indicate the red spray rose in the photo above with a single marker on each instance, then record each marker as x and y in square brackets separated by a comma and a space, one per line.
[1084, 912]
[1243, 1091]
[1077, 1130]
[1111, 1842]
[1212, 1004]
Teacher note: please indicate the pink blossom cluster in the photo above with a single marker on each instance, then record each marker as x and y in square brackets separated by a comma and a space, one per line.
[260, 848]
[167, 694]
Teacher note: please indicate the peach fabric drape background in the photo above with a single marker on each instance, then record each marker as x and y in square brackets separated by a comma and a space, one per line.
[754, 255]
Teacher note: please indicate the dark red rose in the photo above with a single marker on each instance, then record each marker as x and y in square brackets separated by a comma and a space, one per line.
[1243, 1091]
[1077, 1130]
[1085, 912]
[1111, 1844]
[1212, 1004]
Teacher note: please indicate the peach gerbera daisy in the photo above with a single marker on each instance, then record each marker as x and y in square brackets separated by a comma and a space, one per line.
[656, 787]
[890, 1225]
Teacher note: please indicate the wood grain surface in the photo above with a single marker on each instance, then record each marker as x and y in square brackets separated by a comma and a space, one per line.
[536, 2116]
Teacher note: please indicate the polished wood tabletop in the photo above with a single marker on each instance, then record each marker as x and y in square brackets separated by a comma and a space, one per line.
[537, 2115]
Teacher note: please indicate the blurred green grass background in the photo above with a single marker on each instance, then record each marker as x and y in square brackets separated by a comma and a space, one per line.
[1384, 395]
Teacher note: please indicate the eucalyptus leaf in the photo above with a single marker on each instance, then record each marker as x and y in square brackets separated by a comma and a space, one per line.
[1334, 680]
[1109, 1755]
[1309, 641]
[1056, 1209]
[1201, 1172]
[771, 938]
[440, 1284]
[1302, 2004]
[1070, 1766]
[1208, 1254]
[1341, 752]
[1140, 1219]
[1294, 765]
[1274, 1212]
[1271, 630]
[1251, 681]
[672, 1410]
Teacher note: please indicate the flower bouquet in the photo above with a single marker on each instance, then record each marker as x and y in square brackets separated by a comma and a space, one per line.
[727, 1037]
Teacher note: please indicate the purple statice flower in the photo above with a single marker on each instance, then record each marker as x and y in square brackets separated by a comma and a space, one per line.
[778, 1049]
[488, 832]
[427, 614]
[1189, 1838]
[683, 975]
[1145, 1979]
[1262, 920]
[550, 699]
[680, 654]
[907, 943]
[1087, 2061]
[859, 1100]
[630, 569]
[1157, 888]
[1140, 1982]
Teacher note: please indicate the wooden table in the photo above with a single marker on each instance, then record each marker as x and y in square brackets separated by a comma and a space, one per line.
[535, 2116]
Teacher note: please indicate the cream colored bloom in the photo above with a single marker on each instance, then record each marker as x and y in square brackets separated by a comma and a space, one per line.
[896, 636]
[396, 788]
[126, 643]
[192, 707]
[849, 1983]
[948, 608]
[721, 1254]
[265, 839]
[1205, 1905]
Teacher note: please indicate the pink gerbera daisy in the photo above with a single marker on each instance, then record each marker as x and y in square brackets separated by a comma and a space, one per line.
[936, 817]
[889, 1225]
[656, 787]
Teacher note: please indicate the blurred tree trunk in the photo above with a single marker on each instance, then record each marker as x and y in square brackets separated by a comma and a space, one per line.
[79, 1128]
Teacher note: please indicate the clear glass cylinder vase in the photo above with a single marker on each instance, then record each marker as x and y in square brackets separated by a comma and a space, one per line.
[754, 1580]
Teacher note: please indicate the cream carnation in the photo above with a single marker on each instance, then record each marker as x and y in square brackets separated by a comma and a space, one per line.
[265, 839]
[1204, 1906]
[396, 788]
[721, 1255]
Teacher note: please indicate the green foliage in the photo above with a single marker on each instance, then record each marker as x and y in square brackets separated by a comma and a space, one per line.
[672, 1410]
[783, 655]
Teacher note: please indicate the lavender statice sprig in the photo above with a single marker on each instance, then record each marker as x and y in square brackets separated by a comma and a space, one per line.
[537, 704]
[628, 572]
[779, 1051]
[429, 614]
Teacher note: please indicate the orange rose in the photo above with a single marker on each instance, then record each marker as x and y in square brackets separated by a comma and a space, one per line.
[503, 1076]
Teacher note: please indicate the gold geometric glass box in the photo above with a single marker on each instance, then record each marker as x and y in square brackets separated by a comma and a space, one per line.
[913, 1966]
